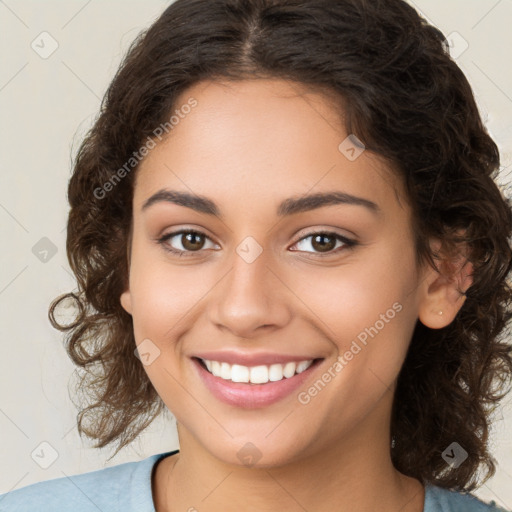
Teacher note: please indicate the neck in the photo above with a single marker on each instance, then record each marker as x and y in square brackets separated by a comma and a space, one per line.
[353, 474]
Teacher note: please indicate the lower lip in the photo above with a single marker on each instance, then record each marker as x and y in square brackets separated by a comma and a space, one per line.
[252, 396]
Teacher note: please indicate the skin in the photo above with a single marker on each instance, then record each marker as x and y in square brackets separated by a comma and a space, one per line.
[248, 145]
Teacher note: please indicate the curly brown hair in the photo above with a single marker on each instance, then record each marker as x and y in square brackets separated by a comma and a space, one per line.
[408, 101]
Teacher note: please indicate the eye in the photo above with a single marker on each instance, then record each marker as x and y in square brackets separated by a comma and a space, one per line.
[325, 242]
[191, 241]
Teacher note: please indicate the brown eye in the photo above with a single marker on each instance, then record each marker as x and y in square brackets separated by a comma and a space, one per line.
[325, 242]
[187, 241]
[192, 241]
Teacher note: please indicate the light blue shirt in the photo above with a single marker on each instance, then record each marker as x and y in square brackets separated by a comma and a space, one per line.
[127, 488]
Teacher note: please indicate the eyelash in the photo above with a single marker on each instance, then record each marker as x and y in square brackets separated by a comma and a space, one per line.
[349, 244]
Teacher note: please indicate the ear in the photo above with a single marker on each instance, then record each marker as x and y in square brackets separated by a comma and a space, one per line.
[443, 292]
[126, 296]
[126, 301]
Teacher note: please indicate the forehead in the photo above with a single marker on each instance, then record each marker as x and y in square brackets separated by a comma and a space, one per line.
[257, 141]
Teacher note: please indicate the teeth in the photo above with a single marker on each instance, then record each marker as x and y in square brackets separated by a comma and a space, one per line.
[225, 371]
[256, 374]
[303, 365]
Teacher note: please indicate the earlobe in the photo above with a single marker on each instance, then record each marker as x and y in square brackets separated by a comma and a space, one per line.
[126, 301]
[443, 292]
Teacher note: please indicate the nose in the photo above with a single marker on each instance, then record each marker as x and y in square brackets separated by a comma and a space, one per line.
[251, 297]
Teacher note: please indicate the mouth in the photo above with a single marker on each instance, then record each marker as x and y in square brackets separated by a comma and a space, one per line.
[254, 386]
[260, 374]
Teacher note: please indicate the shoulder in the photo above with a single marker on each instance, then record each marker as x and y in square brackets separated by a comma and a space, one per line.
[124, 487]
[438, 499]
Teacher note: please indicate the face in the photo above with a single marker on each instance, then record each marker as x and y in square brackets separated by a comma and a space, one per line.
[269, 273]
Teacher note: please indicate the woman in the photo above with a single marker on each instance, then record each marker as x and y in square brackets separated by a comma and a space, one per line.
[285, 230]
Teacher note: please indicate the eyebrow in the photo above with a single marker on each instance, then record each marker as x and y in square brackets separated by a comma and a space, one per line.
[290, 206]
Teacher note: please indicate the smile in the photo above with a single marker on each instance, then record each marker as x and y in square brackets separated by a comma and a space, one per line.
[252, 387]
[256, 374]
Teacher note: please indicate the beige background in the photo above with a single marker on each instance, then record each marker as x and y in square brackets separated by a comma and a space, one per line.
[46, 105]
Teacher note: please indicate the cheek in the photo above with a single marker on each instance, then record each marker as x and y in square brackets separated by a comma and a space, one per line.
[369, 319]
[163, 293]
[352, 296]
[165, 300]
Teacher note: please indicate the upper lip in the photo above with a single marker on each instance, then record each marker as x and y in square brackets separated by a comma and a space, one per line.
[253, 358]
